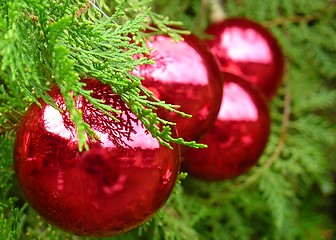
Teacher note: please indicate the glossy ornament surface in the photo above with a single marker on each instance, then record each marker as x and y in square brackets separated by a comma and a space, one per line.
[118, 184]
[185, 73]
[246, 48]
[238, 136]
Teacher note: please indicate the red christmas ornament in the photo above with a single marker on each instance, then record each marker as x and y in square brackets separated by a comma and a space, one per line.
[244, 47]
[185, 73]
[115, 186]
[238, 136]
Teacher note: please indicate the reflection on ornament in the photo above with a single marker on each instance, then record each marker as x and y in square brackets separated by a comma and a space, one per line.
[233, 110]
[185, 73]
[238, 136]
[246, 48]
[118, 184]
[238, 45]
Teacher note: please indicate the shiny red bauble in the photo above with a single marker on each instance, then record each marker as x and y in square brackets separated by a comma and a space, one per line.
[238, 136]
[119, 183]
[185, 73]
[245, 47]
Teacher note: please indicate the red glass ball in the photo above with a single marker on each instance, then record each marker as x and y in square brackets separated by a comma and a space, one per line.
[118, 184]
[246, 48]
[185, 73]
[238, 136]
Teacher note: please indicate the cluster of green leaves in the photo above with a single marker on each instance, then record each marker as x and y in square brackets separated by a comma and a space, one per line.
[44, 43]
[9, 216]
[193, 13]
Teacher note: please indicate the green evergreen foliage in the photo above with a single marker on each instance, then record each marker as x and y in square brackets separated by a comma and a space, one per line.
[286, 196]
[60, 48]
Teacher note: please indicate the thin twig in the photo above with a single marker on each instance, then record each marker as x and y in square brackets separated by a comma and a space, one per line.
[294, 19]
[83, 9]
[217, 12]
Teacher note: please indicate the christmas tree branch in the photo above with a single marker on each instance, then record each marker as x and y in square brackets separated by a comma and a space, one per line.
[73, 47]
